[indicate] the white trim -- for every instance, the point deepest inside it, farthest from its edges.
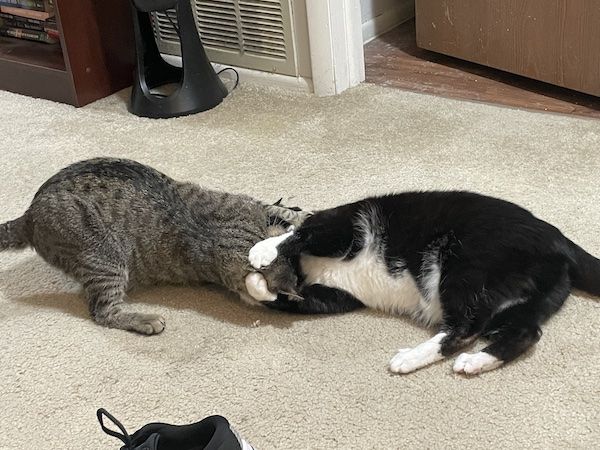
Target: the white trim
(297, 84)
(269, 79)
(356, 61)
(336, 52)
(387, 20)
(321, 51)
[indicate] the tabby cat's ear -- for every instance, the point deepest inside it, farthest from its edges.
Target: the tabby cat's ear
(292, 208)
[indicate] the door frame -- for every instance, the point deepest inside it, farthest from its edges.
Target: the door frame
(336, 45)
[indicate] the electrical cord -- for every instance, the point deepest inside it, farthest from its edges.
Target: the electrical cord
(175, 27)
(237, 75)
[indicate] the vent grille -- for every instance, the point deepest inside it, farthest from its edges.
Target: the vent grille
(255, 34)
(262, 27)
(217, 22)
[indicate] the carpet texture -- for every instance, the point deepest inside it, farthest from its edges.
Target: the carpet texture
(290, 382)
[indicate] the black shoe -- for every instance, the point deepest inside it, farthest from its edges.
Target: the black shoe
(212, 433)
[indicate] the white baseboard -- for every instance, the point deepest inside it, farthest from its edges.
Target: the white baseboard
(387, 20)
(297, 84)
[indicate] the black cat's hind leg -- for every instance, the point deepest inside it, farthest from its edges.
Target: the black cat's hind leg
(445, 343)
(459, 328)
(317, 299)
(516, 328)
(514, 331)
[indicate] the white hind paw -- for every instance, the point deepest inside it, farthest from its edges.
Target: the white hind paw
(475, 363)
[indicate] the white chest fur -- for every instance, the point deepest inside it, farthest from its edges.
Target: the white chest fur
(367, 278)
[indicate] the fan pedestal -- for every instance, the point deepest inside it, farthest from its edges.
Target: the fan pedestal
(198, 87)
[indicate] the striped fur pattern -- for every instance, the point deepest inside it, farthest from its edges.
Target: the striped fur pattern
(115, 224)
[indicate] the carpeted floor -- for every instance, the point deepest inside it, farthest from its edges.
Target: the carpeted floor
(296, 382)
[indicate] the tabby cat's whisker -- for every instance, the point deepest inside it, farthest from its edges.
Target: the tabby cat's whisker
(290, 294)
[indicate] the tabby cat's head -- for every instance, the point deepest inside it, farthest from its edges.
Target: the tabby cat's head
(281, 277)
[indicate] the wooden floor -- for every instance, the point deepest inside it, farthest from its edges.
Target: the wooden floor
(394, 60)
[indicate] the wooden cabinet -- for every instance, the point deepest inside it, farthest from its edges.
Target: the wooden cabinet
(557, 41)
(94, 59)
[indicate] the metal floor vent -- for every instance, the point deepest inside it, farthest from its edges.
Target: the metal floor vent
(256, 34)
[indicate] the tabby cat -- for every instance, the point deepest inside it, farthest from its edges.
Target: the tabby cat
(468, 264)
(114, 224)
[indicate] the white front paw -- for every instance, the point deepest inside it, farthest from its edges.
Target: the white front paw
(262, 254)
(257, 287)
(405, 361)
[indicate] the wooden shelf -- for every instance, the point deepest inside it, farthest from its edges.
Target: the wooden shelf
(37, 54)
(95, 56)
(35, 69)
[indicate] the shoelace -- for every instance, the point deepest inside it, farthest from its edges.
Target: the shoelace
(123, 437)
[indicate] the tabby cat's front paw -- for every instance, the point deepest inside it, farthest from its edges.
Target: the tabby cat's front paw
(141, 323)
(144, 323)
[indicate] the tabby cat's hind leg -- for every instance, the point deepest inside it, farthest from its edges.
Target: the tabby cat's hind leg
(105, 286)
(70, 234)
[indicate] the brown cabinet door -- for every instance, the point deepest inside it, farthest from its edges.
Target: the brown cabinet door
(557, 41)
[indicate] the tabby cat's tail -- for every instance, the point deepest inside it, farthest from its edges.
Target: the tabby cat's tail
(13, 235)
(585, 272)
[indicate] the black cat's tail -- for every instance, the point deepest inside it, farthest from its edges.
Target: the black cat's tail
(13, 234)
(585, 270)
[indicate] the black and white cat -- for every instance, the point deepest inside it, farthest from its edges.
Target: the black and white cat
(467, 264)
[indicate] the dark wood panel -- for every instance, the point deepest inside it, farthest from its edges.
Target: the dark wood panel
(97, 58)
(32, 53)
(99, 37)
(43, 82)
(395, 60)
(557, 41)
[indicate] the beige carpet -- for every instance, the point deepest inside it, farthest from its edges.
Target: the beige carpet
(296, 382)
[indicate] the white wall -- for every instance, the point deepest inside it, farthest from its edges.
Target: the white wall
(373, 8)
(379, 16)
